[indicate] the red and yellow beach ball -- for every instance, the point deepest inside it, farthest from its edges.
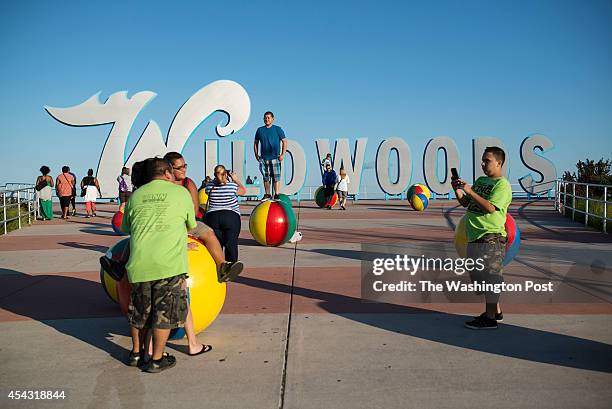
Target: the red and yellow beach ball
(116, 223)
(418, 195)
(320, 198)
(513, 237)
(272, 223)
(205, 294)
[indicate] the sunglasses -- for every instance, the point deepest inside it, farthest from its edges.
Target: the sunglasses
(180, 167)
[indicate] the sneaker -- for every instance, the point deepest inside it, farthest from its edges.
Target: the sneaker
(276, 197)
(114, 269)
(134, 359)
(266, 197)
(481, 322)
(228, 271)
(342, 207)
(499, 317)
(74, 212)
(156, 366)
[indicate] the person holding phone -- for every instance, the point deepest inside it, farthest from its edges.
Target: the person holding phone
(223, 212)
(487, 203)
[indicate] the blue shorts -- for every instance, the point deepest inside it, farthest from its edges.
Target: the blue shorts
(270, 169)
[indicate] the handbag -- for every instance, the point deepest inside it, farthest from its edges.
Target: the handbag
(41, 185)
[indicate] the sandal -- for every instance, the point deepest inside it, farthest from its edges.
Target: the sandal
(166, 362)
(228, 271)
(205, 349)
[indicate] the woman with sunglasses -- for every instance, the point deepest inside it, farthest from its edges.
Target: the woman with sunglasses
(223, 213)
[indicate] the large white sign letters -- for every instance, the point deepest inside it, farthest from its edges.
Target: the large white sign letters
(439, 156)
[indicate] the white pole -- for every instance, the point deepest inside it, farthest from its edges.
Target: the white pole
(586, 214)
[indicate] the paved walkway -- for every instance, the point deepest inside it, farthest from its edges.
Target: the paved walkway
(294, 332)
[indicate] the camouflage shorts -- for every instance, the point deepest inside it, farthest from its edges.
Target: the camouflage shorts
(491, 248)
(160, 304)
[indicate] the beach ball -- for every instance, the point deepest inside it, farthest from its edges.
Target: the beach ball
(320, 198)
(116, 223)
(418, 196)
(513, 235)
(116, 252)
(205, 294)
(284, 198)
(203, 199)
(272, 223)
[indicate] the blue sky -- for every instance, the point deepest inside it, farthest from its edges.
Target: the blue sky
(335, 69)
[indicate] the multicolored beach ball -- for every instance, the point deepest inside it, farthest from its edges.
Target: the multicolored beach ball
(320, 198)
(116, 252)
(513, 234)
(418, 195)
(284, 198)
(205, 294)
(272, 223)
(116, 223)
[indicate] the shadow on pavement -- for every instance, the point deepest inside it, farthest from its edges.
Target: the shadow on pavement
(509, 340)
(66, 304)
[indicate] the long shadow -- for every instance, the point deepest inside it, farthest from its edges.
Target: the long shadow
(99, 232)
(593, 236)
(405, 208)
(445, 328)
(67, 305)
(447, 216)
(243, 241)
(85, 246)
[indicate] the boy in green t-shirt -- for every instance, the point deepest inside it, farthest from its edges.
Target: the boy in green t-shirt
(487, 203)
(157, 217)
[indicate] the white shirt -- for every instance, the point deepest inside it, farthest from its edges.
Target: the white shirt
(343, 184)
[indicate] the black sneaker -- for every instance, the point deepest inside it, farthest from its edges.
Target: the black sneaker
(266, 197)
(228, 271)
(114, 269)
(135, 359)
(156, 366)
(481, 322)
(499, 316)
(276, 197)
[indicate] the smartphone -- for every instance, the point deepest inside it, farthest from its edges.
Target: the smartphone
(454, 173)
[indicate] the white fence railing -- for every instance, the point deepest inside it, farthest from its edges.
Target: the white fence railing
(567, 190)
(19, 196)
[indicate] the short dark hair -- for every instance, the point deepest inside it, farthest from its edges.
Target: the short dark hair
(172, 156)
(44, 169)
(90, 172)
(125, 170)
(269, 113)
(157, 167)
(139, 176)
(65, 169)
(497, 152)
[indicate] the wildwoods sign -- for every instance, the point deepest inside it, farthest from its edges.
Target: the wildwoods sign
(232, 99)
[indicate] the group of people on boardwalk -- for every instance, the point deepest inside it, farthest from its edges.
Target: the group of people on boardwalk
(65, 188)
(161, 207)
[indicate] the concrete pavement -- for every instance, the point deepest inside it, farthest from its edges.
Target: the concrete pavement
(294, 332)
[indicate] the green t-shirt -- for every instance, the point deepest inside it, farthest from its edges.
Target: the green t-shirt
(499, 193)
(157, 217)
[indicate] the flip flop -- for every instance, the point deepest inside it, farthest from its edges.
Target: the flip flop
(234, 270)
(205, 348)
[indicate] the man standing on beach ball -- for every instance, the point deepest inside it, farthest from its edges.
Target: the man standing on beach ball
(273, 148)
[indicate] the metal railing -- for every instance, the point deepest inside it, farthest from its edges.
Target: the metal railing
(562, 195)
(21, 196)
